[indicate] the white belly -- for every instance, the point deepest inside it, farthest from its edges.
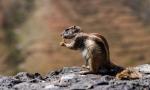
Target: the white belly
(84, 52)
(89, 45)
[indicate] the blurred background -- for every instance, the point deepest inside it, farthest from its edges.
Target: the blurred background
(30, 32)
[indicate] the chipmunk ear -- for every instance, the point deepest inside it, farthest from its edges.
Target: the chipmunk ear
(77, 28)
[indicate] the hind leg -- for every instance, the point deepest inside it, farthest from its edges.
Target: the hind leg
(86, 66)
(93, 68)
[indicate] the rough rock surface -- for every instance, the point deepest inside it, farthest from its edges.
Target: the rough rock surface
(69, 78)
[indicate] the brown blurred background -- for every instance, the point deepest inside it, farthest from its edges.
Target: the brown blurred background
(29, 32)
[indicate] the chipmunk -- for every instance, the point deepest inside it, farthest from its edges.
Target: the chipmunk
(94, 48)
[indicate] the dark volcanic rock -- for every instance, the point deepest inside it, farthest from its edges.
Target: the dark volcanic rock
(69, 78)
(27, 77)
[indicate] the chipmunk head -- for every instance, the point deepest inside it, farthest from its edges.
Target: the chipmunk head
(71, 32)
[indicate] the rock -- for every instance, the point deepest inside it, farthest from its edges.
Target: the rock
(27, 77)
(51, 86)
(8, 82)
(69, 78)
(143, 68)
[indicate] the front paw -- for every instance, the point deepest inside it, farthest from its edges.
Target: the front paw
(62, 44)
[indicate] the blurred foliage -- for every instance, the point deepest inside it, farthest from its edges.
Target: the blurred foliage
(17, 13)
(14, 15)
(140, 8)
